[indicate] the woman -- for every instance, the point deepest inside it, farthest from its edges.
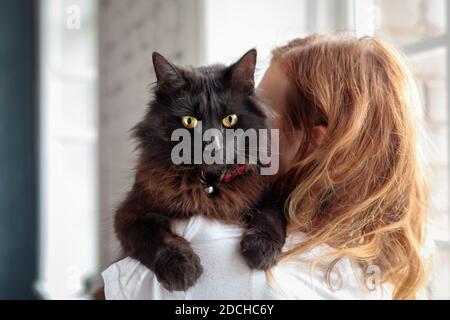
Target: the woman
(349, 178)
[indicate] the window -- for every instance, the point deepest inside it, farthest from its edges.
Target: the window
(68, 148)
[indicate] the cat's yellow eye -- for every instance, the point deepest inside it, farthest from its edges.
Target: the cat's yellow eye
(230, 120)
(189, 122)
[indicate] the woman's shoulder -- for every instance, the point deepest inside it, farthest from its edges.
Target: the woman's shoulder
(296, 278)
(226, 275)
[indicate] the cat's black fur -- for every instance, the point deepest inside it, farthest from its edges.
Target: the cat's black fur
(163, 191)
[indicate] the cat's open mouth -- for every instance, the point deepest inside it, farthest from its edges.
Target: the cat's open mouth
(222, 175)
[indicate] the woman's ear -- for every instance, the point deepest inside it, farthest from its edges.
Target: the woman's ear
(317, 135)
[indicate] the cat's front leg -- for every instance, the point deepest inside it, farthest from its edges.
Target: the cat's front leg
(264, 238)
(176, 266)
(148, 238)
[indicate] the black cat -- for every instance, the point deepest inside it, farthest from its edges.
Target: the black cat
(220, 97)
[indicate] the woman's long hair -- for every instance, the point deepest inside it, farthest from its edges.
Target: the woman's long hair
(361, 190)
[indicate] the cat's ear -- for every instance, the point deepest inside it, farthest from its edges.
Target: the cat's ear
(242, 72)
(164, 70)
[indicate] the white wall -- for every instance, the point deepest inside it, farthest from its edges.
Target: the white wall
(233, 27)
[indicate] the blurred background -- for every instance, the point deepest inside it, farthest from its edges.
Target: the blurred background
(74, 78)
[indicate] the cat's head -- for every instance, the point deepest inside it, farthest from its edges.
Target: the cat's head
(217, 97)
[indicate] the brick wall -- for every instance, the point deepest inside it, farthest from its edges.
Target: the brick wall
(129, 31)
(406, 22)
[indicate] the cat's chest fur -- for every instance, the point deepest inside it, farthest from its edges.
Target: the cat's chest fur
(181, 194)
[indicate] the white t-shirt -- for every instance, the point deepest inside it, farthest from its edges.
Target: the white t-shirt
(227, 276)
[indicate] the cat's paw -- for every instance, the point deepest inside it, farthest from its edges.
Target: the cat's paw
(259, 249)
(177, 266)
